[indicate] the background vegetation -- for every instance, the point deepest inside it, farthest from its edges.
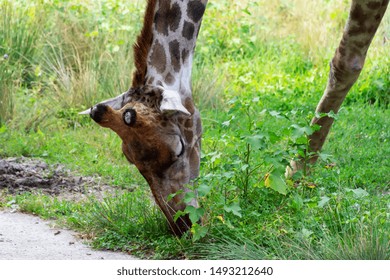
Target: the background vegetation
(259, 71)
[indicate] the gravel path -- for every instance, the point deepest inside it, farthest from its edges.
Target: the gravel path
(26, 237)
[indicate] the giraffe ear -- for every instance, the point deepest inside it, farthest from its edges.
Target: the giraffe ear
(115, 103)
(171, 102)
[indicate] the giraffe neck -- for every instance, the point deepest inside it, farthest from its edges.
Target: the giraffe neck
(165, 48)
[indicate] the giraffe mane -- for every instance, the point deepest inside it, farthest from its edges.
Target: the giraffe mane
(143, 44)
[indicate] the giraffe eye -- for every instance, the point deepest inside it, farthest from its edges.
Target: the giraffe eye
(129, 117)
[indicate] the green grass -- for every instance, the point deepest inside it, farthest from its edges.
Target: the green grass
(259, 71)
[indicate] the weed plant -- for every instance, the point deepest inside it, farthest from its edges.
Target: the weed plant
(259, 70)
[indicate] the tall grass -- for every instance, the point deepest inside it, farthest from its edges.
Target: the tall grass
(7, 87)
(362, 243)
(20, 28)
(309, 23)
(128, 214)
(86, 65)
(64, 55)
(130, 221)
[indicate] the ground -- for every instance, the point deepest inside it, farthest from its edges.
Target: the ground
(27, 237)
(24, 236)
(18, 175)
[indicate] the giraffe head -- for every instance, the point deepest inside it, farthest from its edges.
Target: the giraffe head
(161, 137)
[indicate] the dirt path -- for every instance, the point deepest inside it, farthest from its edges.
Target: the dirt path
(19, 175)
(26, 237)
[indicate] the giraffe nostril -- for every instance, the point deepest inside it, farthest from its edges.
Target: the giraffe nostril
(98, 112)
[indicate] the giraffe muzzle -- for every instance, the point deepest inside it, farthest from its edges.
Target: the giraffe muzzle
(97, 112)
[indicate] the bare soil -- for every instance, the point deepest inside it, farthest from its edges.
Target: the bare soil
(20, 175)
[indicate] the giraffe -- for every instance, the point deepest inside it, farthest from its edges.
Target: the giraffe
(156, 118)
(345, 67)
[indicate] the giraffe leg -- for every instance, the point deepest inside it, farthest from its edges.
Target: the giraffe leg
(345, 67)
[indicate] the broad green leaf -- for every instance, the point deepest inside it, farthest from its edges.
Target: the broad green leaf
(359, 193)
(324, 200)
(188, 197)
(302, 140)
(324, 157)
(257, 141)
(198, 231)
(297, 202)
(276, 182)
(299, 131)
(233, 208)
(194, 213)
(333, 115)
(178, 214)
(273, 137)
(172, 195)
(203, 190)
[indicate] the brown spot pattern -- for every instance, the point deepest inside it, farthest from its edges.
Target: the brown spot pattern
(170, 79)
(357, 17)
(150, 80)
(158, 57)
(188, 30)
(147, 95)
(167, 17)
(195, 10)
(357, 14)
(189, 104)
(174, 51)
